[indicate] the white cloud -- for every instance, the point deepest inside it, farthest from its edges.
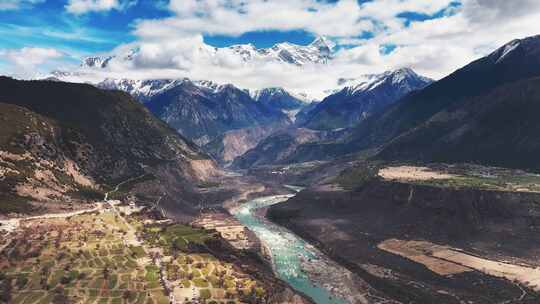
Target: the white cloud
(17, 4)
(25, 60)
(439, 46)
(79, 7)
(173, 47)
(233, 17)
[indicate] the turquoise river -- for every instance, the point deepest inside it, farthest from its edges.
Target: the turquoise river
(290, 253)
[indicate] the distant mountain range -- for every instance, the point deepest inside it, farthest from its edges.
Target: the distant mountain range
(394, 115)
(355, 102)
(317, 52)
(218, 117)
(485, 112)
(224, 119)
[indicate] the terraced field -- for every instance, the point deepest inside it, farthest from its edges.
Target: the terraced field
(195, 275)
(82, 259)
(204, 276)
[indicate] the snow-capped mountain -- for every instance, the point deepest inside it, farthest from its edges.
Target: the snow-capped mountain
(96, 61)
(528, 46)
(359, 98)
(319, 52)
(280, 99)
(405, 79)
(103, 61)
(200, 110)
(144, 90)
(222, 118)
(204, 114)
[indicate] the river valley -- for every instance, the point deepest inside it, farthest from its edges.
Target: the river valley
(297, 262)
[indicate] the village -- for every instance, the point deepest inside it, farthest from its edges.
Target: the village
(119, 253)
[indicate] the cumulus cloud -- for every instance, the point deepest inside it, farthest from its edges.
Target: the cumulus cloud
(17, 4)
(79, 7)
(439, 46)
(173, 47)
(233, 17)
(25, 60)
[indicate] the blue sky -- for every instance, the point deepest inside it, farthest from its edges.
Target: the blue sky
(261, 39)
(49, 24)
(434, 37)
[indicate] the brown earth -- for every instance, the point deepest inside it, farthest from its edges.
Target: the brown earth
(350, 224)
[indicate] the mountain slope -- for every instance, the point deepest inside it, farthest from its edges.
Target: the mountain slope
(354, 103)
(144, 90)
(322, 124)
(203, 114)
(519, 59)
(61, 140)
(225, 120)
(484, 112)
(305, 113)
(282, 100)
(499, 128)
(284, 147)
(278, 98)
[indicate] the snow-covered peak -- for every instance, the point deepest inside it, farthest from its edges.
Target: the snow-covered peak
(210, 85)
(277, 92)
(104, 60)
(143, 90)
(280, 99)
(323, 43)
(258, 94)
(526, 49)
(317, 52)
(405, 75)
(404, 78)
(96, 61)
(140, 89)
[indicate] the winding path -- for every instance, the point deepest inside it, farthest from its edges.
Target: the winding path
(132, 239)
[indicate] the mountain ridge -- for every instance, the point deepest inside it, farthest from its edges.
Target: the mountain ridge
(62, 139)
(363, 97)
(319, 51)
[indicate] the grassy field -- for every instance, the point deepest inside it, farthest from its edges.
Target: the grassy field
(175, 237)
(459, 176)
(487, 178)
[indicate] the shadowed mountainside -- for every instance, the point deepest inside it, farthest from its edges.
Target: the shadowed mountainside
(62, 140)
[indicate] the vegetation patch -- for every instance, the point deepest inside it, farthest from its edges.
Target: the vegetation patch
(10, 203)
(356, 177)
